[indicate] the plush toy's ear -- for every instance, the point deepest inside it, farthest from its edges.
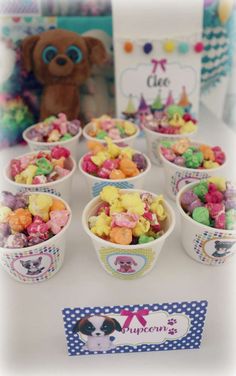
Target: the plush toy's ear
(97, 52)
(76, 326)
(28, 45)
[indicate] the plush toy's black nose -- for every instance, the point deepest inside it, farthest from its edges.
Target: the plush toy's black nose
(98, 334)
(61, 61)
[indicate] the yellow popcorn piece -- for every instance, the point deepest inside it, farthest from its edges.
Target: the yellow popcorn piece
(210, 164)
(219, 182)
(102, 226)
(177, 121)
(4, 213)
(112, 148)
(100, 158)
(127, 152)
(129, 128)
(158, 208)
(40, 205)
(116, 207)
(188, 127)
(26, 176)
(109, 194)
(133, 203)
(142, 227)
(54, 136)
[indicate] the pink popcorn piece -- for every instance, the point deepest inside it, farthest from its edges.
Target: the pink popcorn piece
(111, 164)
(39, 179)
(168, 154)
(57, 152)
(15, 167)
(38, 227)
(58, 219)
(103, 173)
(214, 197)
(88, 165)
(215, 209)
(114, 134)
(128, 220)
(107, 124)
(103, 208)
(220, 221)
(61, 171)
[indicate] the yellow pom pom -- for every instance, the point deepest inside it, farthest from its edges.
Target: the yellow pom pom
(169, 46)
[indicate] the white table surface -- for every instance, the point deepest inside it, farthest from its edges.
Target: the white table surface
(31, 326)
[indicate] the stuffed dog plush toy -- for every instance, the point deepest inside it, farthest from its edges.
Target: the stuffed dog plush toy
(61, 61)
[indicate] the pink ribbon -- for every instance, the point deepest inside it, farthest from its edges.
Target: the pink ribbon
(130, 315)
(162, 63)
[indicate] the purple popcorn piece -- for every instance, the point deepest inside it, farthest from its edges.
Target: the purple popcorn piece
(195, 204)
(34, 239)
(140, 161)
(187, 198)
(22, 200)
(8, 199)
(5, 229)
(18, 240)
(35, 135)
(179, 161)
(230, 204)
(73, 127)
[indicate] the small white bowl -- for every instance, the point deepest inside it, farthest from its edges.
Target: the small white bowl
(177, 176)
(122, 142)
(49, 254)
(142, 257)
(60, 187)
(201, 242)
(71, 144)
(154, 139)
(96, 184)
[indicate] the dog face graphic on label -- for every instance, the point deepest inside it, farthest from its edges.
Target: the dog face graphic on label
(98, 329)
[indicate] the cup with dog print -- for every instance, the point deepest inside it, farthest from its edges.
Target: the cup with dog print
(178, 176)
(205, 244)
(60, 187)
(96, 184)
(39, 262)
(127, 261)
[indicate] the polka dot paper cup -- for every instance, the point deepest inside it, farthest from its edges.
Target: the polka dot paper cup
(71, 144)
(96, 184)
(205, 244)
(36, 263)
(140, 258)
(177, 177)
(153, 140)
(121, 142)
(61, 187)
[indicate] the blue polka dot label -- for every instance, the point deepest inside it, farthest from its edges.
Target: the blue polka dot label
(134, 328)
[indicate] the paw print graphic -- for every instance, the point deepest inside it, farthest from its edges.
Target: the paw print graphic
(172, 321)
(172, 331)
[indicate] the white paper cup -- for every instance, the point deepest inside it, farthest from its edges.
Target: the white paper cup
(122, 142)
(207, 245)
(96, 184)
(142, 257)
(71, 144)
(60, 187)
(48, 256)
(153, 140)
(177, 177)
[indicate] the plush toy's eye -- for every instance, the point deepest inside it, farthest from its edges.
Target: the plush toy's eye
(74, 53)
(49, 53)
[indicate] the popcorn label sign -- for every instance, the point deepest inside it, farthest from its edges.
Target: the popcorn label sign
(134, 328)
